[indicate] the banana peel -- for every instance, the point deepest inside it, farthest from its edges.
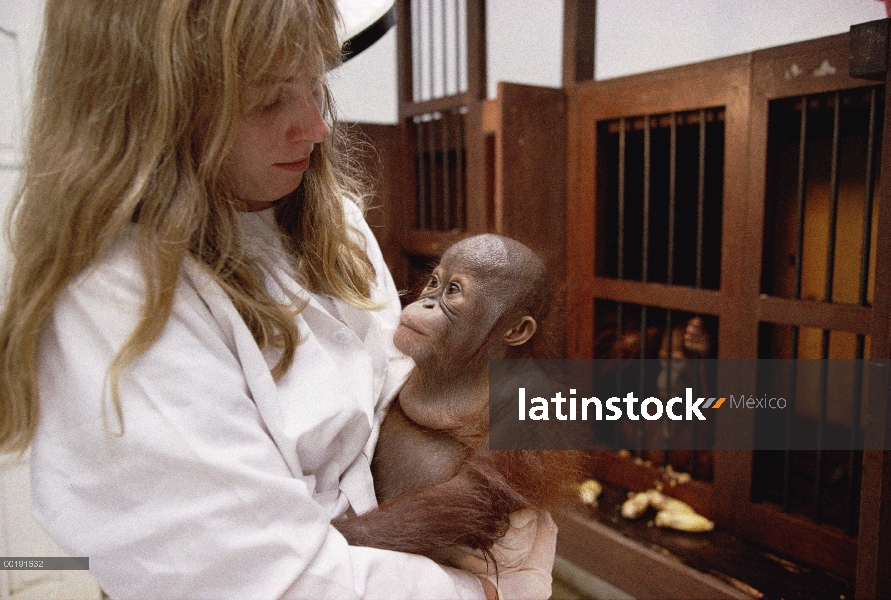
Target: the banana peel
(683, 521)
(672, 513)
(589, 492)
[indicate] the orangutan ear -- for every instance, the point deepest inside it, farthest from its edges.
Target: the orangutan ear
(522, 332)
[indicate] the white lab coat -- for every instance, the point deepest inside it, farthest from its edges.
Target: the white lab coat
(224, 482)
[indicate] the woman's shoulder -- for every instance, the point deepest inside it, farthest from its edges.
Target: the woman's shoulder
(114, 285)
(113, 278)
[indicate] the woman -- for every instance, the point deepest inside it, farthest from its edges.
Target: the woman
(196, 341)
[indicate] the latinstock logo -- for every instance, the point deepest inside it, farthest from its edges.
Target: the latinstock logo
(673, 405)
(651, 408)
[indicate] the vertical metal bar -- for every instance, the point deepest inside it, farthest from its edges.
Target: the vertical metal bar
(445, 50)
(420, 186)
(851, 522)
(669, 326)
(669, 365)
(700, 224)
(852, 491)
(621, 241)
(431, 148)
(672, 184)
(446, 170)
(461, 197)
(821, 425)
(458, 86)
(431, 46)
(645, 245)
(868, 200)
(415, 50)
(833, 203)
(799, 247)
(828, 290)
(620, 251)
(700, 208)
(802, 185)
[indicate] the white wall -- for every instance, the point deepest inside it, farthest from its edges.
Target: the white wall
(20, 23)
(633, 36)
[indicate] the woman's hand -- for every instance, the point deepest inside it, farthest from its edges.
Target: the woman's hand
(525, 557)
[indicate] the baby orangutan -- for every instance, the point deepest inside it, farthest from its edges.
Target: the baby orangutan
(437, 483)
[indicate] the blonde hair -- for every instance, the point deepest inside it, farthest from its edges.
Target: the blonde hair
(134, 110)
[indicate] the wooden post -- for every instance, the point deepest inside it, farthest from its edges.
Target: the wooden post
(474, 139)
(874, 541)
(579, 28)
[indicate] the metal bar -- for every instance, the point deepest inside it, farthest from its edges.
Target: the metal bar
(821, 425)
(432, 49)
(672, 184)
(645, 249)
(461, 183)
(799, 248)
(830, 279)
(458, 86)
(415, 51)
(669, 335)
(868, 200)
(640, 385)
(620, 249)
(700, 224)
(445, 50)
(420, 187)
(700, 209)
(852, 493)
(833, 203)
(802, 185)
(431, 148)
(446, 170)
(645, 246)
(669, 326)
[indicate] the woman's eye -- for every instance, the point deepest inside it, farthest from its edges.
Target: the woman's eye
(271, 104)
(318, 92)
(272, 100)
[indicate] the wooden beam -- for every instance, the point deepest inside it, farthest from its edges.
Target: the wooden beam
(404, 61)
(874, 542)
(476, 49)
(628, 565)
(579, 34)
(412, 109)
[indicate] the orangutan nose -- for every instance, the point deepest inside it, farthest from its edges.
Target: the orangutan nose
(427, 302)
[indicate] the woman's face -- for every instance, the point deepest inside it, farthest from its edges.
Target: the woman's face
(274, 140)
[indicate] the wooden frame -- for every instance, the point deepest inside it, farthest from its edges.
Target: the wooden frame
(505, 140)
(744, 85)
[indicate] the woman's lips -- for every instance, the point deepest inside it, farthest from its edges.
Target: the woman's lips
(300, 165)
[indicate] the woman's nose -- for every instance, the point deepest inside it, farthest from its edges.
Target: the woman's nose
(308, 123)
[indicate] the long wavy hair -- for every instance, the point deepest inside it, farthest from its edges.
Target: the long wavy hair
(133, 116)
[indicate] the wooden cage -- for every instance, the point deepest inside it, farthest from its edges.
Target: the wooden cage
(745, 191)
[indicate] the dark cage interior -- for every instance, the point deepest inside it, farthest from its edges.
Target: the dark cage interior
(661, 180)
(819, 245)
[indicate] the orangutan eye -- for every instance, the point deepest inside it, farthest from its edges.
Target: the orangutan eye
(453, 288)
(433, 283)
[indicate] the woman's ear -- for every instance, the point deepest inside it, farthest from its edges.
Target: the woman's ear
(522, 332)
